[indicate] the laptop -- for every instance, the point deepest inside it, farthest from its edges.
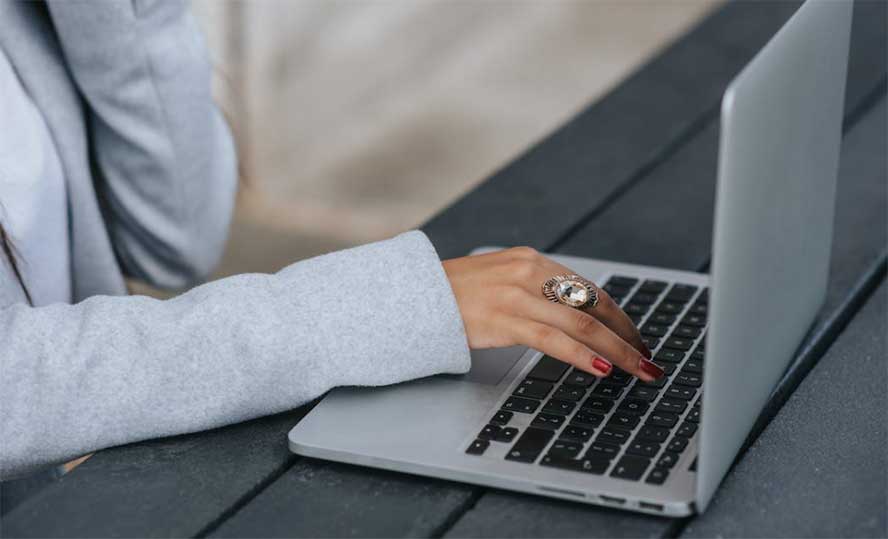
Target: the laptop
(526, 422)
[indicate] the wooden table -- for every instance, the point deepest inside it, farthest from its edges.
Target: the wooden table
(642, 162)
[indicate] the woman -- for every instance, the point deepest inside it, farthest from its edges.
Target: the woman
(114, 161)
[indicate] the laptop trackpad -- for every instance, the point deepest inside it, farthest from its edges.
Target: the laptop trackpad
(491, 365)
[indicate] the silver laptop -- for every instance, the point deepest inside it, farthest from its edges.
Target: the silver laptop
(526, 422)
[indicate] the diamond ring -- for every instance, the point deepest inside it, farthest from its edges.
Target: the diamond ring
(571, 290)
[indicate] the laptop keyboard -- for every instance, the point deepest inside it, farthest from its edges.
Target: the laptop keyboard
(618, 425)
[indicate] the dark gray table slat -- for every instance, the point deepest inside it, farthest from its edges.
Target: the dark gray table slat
(602, 151)
(194, 479)
(858, 247)
(818, 470)
(391, 505)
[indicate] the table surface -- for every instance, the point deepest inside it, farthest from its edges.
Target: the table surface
(642, 161)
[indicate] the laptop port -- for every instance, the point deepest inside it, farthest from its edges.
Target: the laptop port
(563, 491)
(651, 506)
(613, 499)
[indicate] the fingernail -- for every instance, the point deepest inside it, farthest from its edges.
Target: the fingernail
(650, 368)
(602, 365)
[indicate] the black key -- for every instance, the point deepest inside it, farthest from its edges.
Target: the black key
(669, 307)
(643, 449)
(529, 445)
(643, 298)
(478, 447)
(678, 343)
(565, 448)
(517, 404)
(701, 309)
(587, 419)
(704, 296)
(681, 292)
(576, 433)
(681, 392)
(548, 421)
(548, 369)
(619, 379)
(621, 280)
(694, 366)
(643, 392)
(608, 391)
(653, 287)
(694, 320)
(668, 368)
(613, 436)
(657, 476)
(634, 406)
(618, 376)
(652, 434)
(686, 430)
(623, 420)
(618, 299)
(662, 419)
(533, 389)
(502, 418)
(699, 354)
(654, 330)
(662, 319)
(636, 318)
(630, 467)
(687, 332)
(669, 356)
(615, 289)
(650, 342)
(667, 460)
(556, 406)
(598, 404)
(658, 383)
(694, 415)
(506, 434)
(583, 465)
(602, 450)
(677, 444)
(569, 393)
(489, 432)
(688, 379)
(579, 379)
(674, 406)
(693, 467)
(636, 309)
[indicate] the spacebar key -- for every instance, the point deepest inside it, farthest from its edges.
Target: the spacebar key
(530, 445)
(548, 369)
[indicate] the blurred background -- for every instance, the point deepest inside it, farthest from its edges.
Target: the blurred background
(360, 119)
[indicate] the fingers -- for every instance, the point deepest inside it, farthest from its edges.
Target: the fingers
(556, 343)
(592, 333)
(607, 312)
(611, 315)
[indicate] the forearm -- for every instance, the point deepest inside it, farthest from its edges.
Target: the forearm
(109, 371)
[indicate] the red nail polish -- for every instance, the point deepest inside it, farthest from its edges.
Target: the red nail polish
(602, 365)
(650, 368)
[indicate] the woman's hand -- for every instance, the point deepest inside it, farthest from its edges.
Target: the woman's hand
(501, 301)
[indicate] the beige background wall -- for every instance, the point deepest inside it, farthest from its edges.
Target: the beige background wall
(358, 120)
